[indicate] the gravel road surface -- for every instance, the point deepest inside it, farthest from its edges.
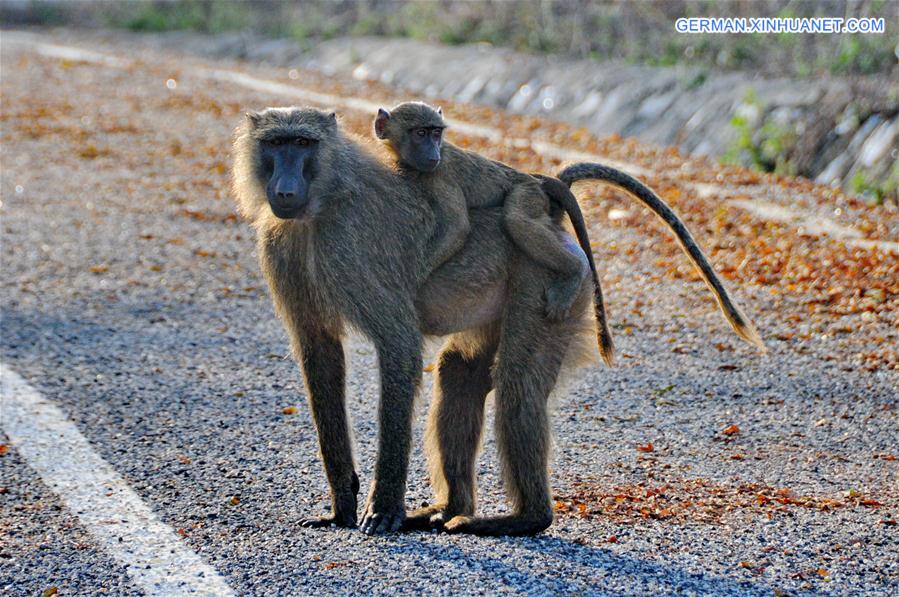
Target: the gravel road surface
(131, 300)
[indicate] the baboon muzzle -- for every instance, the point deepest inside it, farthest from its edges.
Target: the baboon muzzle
(288, 196)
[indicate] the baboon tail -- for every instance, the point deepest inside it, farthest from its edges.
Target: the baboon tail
(735, 317)
(568, 202)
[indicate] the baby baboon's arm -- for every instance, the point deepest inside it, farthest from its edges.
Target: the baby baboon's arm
(453, 215)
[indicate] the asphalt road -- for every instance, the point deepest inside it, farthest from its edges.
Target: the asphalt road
(131, 301)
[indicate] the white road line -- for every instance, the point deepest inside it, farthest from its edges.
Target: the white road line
(811, 224)
(156, 559)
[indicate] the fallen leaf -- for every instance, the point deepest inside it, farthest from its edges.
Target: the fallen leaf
(193, 214)
(99, 269)
(234, 500)
(732, 430)
(289, 410)
(89, 152)
(612, 539)
(49, 592)
(428, 368)
(647, 448)
(3, 449)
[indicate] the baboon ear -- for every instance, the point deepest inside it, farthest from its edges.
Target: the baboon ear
(440, 110)
(254, 118)
(381, 123)
(333, 116)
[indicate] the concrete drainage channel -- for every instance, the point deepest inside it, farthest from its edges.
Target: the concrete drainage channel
(842, 127)
(811, 224)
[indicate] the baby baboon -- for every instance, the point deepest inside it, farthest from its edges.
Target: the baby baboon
(342, 241)
(460, 179)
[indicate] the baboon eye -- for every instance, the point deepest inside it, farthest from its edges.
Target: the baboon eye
(437, 133)
(302, 142)
(275, 141)
(421, 132)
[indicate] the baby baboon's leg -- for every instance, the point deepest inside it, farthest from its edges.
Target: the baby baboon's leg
(530, 226)
(455, 423)
(528, 362)
(321, 357)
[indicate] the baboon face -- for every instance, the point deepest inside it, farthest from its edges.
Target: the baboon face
(288, 144)
(414, 132)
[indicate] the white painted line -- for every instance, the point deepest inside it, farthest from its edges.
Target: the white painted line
(812, 224)
(157, 560)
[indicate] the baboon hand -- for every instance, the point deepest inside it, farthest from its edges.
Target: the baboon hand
(381, 517)
(343, 511)
(346, 520)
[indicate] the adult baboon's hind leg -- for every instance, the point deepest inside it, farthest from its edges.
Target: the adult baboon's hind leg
(455, 425)
(529, 358)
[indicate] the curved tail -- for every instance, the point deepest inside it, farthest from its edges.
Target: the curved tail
(561, 194)
(735, 317)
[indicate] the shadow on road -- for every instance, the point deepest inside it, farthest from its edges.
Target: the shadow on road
(602, 570)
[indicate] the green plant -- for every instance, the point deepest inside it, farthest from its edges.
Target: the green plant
(863, 185)
(862, 54)
(766, 147)
(207, 15)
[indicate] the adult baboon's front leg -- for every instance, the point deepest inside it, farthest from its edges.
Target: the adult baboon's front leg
(399, 358)
(322, 360)
(455, 424)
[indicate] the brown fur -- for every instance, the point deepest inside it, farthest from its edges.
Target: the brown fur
(361, 262)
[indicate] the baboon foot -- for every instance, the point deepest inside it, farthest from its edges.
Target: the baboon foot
(377, 521)
(560, 297)
(347, 520)
(515, 524)
(425, 519)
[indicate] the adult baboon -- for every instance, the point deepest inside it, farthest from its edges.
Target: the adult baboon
(342, 243)
(458, 180)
